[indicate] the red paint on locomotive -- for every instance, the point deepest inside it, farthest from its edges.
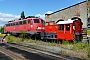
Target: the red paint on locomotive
(29, 25)
(69, 29)
(51, 28)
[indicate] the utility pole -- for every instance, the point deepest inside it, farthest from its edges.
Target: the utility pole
(88, 20)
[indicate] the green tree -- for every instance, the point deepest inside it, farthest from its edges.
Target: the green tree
(22, 15)
(2, 30)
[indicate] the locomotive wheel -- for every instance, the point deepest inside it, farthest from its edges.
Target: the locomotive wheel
(44, 40)
(61, 41)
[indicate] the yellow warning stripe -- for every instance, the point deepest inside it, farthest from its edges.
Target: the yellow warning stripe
(3, 34)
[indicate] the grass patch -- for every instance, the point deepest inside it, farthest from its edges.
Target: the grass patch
(13, 39)
(78, 47)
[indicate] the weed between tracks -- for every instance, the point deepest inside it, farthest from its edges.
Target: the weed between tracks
(80, 49)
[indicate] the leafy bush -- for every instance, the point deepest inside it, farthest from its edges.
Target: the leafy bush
(65, 42)
(88, 50)
(13, 39)
(22, 35)
(80, 45)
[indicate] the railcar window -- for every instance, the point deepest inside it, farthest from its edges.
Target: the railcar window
(61, 27)
(16, 23)
(36, 21)
(28, 21)
(24, 22)
(67, 27)
(20, 22)
(13, 23)
(8, 24)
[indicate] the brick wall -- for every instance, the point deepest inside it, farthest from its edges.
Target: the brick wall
(77, 10)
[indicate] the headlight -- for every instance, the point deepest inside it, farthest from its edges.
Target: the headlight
(43, 28)
(40, 28)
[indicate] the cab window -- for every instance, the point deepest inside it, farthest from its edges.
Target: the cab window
(36, 21)
(61, 27)
(67, 27)
(28, 21)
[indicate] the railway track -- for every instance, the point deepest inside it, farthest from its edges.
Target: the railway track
(11, 54)
(4, 56)
(35, 51)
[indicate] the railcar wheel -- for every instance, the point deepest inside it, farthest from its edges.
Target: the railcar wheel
(61, 41)
(44, 40)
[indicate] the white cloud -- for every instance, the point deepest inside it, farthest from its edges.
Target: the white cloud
(4, 17)
(49, 12)
(7, 17)
(43, 15)
(40, 15)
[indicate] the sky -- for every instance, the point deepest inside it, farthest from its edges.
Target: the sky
(11, 9)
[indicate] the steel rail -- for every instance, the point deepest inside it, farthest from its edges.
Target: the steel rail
(37, 51)
(13, 55)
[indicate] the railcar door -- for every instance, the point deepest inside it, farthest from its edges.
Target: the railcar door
(37, 23)
(24, 25)
(68, 32)
(61, 31)
(28, 25)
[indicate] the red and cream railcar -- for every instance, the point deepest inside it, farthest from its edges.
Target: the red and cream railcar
(64, 30)
(70, 30)
(31, 25)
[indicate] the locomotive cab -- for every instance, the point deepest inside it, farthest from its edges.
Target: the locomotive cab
(65, 30)
(36, 25)
(50, 31)
(70, 30)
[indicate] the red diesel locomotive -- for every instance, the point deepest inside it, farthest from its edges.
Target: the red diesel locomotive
(64, 30)
(31, 26)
